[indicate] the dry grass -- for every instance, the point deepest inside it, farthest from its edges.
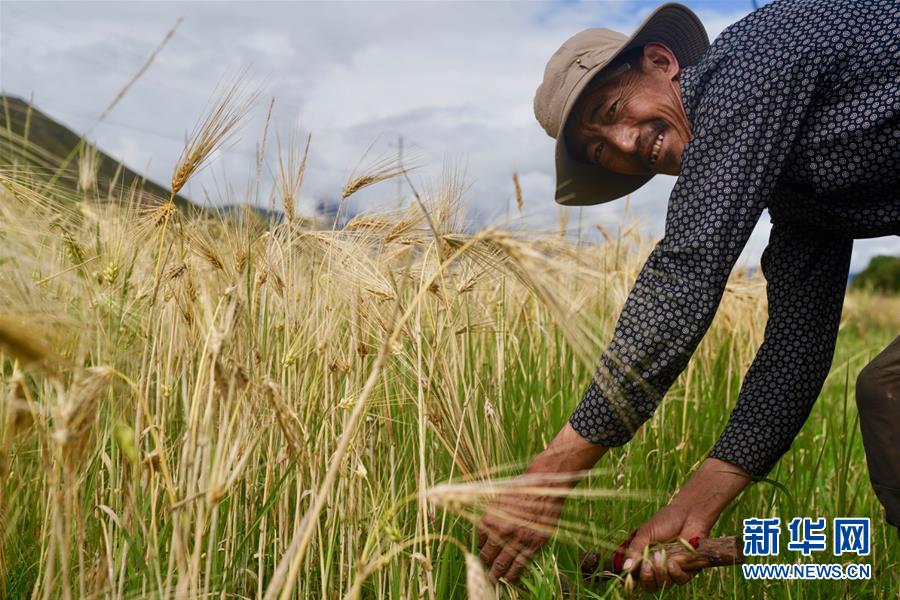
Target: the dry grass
(237, 408)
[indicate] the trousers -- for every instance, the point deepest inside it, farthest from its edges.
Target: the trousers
(878, 402)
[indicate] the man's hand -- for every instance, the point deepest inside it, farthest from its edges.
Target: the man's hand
(669, 524)
(519, 521)
(515, 525)
(689, 516)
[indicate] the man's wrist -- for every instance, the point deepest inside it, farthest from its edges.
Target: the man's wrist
(569, 455)
(711, 489)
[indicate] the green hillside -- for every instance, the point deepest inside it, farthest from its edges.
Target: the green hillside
(31, 140)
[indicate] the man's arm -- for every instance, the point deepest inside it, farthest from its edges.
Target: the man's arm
(806, 274)
(730, 171)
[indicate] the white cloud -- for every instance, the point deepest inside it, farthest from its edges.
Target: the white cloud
(455, 80)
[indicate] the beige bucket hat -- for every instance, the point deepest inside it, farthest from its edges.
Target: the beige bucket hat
(577, 62)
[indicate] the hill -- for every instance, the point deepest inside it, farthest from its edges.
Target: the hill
(29, 137)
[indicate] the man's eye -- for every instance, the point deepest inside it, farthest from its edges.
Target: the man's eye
(612, 109)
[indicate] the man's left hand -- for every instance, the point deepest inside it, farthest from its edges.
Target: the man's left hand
(659, 571)
(691, 514)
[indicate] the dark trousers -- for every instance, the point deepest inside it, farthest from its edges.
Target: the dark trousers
(878, 401)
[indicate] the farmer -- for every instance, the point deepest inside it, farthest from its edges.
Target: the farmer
(794, 109)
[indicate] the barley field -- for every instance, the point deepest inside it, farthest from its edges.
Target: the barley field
(218, 405)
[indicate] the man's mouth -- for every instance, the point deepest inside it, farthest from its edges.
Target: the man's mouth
(656, 149)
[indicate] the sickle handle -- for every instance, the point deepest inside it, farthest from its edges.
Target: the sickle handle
(707, 552)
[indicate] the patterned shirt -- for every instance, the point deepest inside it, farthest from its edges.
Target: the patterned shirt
(794, 109)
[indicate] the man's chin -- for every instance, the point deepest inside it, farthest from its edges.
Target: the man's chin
(667, 169)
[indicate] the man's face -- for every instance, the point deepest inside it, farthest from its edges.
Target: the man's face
(635, 123)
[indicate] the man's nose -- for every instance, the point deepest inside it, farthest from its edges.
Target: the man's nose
(623, 139)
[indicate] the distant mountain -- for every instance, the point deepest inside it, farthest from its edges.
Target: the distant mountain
(30, 137)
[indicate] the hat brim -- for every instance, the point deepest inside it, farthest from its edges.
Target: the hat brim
(582, 184)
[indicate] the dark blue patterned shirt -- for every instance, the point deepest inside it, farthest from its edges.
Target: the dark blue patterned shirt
(794, 109)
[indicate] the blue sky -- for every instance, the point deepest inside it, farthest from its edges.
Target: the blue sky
(455, 80)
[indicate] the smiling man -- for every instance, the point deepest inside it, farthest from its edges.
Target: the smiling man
(629, 123)
(795, 109)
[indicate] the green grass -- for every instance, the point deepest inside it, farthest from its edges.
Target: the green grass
(823, 475)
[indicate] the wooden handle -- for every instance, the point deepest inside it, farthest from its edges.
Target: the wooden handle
(709, 552)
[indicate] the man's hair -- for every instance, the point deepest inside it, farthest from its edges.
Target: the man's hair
(631, 57)
(630, 60)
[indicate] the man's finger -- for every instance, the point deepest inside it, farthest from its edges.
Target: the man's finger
(648, 579)
(491, 549)
(504, 561)
(519, 563)
(660, 570)
(487, 528)
(677, 574)
(635, 549)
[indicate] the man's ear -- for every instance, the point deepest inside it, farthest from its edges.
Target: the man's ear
(658, 58)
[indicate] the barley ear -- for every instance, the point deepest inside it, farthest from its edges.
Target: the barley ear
(478, 584)
(27, 344)
(220, 124)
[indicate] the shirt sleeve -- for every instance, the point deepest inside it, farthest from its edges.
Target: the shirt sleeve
(806, 274)
(729, 170)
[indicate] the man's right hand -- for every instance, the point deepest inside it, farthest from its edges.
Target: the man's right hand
(516, 524)
(522, 518)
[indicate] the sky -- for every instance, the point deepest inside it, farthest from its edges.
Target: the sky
(454, 80)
